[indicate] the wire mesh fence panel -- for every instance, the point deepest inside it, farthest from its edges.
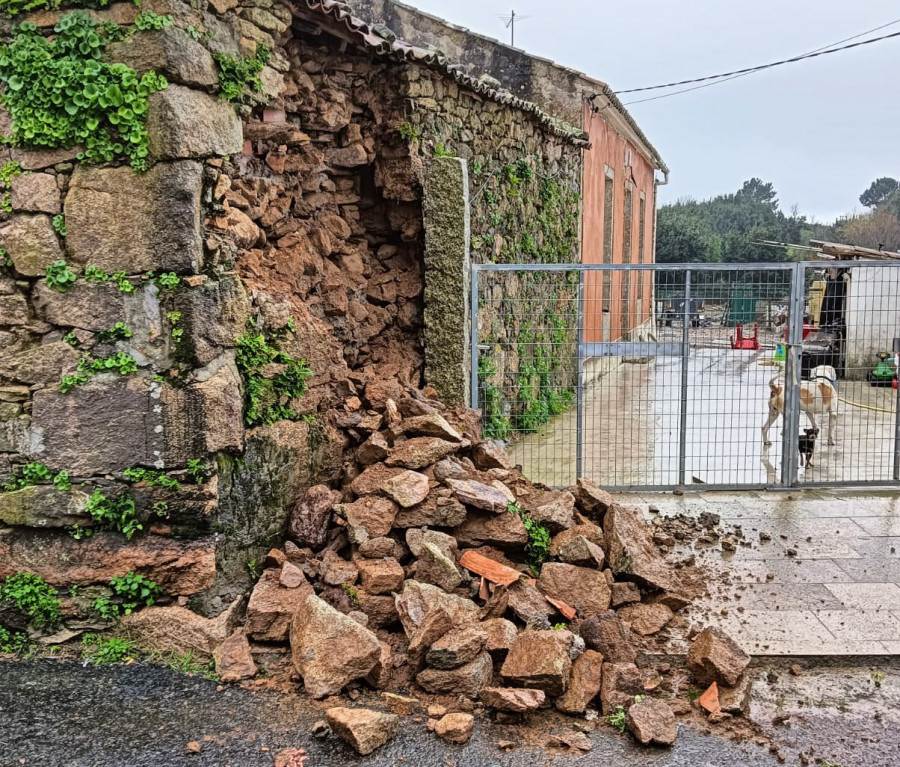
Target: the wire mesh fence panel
(849, 371)
(528, 326)
(637, 376)
(733, 336)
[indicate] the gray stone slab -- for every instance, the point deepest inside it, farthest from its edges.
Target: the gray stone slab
(870, 570)
(785, 596)
(818, 649)
(876, 547)
(769, 625)
(806, 571)
(880, 526)
(865, 596)
(853, 625)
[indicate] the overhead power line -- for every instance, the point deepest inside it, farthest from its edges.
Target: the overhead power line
(726, 79)
(749, 70)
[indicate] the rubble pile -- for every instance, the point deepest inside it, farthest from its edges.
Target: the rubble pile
(437, 569)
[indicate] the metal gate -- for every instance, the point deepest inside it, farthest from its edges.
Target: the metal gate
(664, 376)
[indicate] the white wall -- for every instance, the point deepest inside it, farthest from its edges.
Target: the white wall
(872, 315)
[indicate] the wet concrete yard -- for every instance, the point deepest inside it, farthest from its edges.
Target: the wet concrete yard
(632, 417)
(816, 573)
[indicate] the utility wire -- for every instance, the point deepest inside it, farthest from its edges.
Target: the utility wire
(726, 79)
(750, 70)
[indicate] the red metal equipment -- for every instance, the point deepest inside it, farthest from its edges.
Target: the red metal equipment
(807, 329)
(740, 342)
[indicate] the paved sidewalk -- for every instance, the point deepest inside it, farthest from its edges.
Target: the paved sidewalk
(820, 576)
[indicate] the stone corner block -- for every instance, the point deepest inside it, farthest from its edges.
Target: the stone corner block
(35, 193)
(120, 220)
(446, 213)
(184, 123)
(31, 244)
(170, 52)
(98, 428)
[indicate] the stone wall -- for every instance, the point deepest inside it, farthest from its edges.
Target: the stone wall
(524, 191)
(260, 284)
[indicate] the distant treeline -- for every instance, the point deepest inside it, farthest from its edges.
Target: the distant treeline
(729, 228)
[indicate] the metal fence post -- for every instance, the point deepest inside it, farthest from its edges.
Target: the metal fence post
(896, 418)
(579, 388)
(685, 359)
(473, 356)
(791, 414)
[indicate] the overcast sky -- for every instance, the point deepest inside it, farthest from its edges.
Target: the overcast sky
(820, 130)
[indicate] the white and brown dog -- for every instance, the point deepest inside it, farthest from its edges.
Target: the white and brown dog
(818, 396)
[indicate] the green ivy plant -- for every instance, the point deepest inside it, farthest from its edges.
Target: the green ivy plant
(151, 477)
(59, 225)
(59, 276)
(195, 33)
(267, 400)
(352, 593)
(114, 514)
(616, 719)
(236, 74)
(409, 132)
(71, 339)
(15, 7)
(168, 280)
(104, 651)
(31, 595)
(14, 642)
(135, 590)
(123, 283)
(98, 276)
(118, 332)
(7, 173)
(62, 481)
(123, 364)
(61, 94)
(496, 424)
(177, 333)
(196, 470)
(147, 20)
(537, 550)
(95, 275)
(132, 590)
(36, 473)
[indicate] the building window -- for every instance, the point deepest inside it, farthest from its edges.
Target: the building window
(642, 218)
(627, 252)
(642, 230)
(609, 192)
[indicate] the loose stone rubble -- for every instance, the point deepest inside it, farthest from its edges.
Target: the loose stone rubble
(415, 580)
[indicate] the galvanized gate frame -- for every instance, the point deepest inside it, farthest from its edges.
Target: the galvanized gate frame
(791, 415)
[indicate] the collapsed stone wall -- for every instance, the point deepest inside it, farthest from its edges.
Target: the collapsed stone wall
(174, 343)
(524, 191)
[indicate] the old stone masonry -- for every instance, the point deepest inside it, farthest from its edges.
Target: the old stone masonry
(235, 244)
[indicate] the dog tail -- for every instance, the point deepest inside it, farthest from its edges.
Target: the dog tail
(776, 385)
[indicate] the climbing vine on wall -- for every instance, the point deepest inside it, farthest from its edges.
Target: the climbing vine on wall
(61, 94)
(15, 7)
(272, 378)
(524, 211)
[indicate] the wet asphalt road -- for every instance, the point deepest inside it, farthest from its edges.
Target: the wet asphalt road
(59, 714)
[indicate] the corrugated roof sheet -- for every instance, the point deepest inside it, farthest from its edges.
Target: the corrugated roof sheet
(383, 42)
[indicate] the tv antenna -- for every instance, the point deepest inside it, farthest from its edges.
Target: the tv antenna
(511, 25)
